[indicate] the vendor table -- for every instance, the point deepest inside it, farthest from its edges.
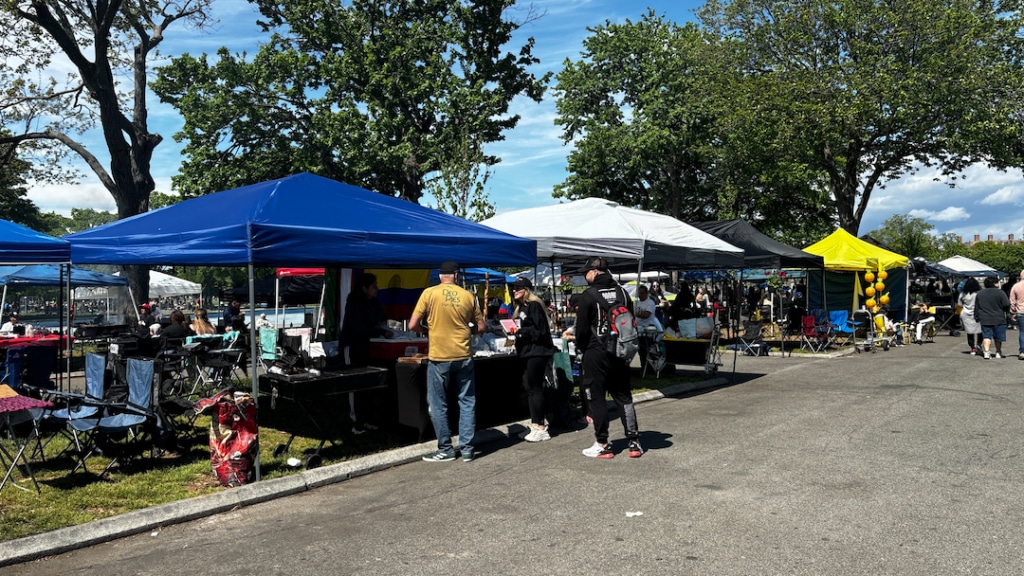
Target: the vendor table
(309, 393)
(947, 318)
(15, 410)
(389, 349)
(51, 340)
(500, 397)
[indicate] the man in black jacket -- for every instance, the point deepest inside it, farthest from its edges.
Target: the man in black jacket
(603, 372)
(990, 308)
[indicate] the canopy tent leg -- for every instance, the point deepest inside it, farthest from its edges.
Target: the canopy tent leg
(254, 360)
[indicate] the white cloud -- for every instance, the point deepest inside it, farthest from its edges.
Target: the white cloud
(1013, 195)
(950, 214)
(61, 198)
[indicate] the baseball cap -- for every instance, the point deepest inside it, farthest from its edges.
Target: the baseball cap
(593, 263)
(522, 283)
(449, 267)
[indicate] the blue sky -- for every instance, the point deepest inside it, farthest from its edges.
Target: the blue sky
(533, 156)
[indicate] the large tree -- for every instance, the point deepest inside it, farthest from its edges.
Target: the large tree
(381, 94)
(47, 108)
(647, 108)
(865, 91)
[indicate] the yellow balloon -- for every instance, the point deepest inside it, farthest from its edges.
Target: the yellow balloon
(884, 299)
(879, 286)
(882, 274)
(870, 303)
(869, 277)
(869, 291)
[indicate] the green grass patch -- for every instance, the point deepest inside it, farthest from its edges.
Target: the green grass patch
(69, 498)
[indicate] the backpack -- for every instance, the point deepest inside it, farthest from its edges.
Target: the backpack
(618, 326)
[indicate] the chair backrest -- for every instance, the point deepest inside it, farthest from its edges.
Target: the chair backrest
(140, 383)
(13, 367)
(95, 366)
(839, 320)
(39, 366)
(751, 330)
(268, 343)
(807, 323)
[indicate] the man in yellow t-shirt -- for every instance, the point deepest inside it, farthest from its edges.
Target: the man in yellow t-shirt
(452, 315)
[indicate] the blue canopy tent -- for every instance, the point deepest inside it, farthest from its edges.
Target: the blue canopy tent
(21, 245)
(477, 276)
(52, 275)
(300, 220)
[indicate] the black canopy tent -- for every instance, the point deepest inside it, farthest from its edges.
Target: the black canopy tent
(760, 250)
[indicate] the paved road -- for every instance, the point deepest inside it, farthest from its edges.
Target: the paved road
(900, 462)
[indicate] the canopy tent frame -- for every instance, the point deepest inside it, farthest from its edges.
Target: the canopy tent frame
(299, 220)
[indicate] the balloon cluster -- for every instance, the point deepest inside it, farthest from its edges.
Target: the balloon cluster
(875, 288)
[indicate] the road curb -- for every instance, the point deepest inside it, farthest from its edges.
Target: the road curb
(148, 519)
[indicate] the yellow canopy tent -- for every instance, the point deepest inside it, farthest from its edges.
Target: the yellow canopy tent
(845, 252)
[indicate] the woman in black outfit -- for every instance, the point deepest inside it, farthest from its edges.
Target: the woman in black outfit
(534, 345)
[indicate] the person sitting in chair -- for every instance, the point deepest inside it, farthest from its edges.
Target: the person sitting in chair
(9, 326)
(645, 312)
(924, 318)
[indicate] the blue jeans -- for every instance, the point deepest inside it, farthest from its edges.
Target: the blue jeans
(445, 377)
(1020, 333)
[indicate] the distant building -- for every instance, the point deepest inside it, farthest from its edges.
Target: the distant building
(991, 238)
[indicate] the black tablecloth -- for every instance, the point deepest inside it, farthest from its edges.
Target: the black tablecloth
(500, 397)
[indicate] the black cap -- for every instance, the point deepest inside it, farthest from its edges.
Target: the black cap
(449, 267)
(522, 282)
(593, 263)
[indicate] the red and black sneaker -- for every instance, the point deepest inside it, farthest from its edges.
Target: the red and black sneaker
(635, 451)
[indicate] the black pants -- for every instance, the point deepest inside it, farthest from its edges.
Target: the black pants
(533, 381)
(605, 374)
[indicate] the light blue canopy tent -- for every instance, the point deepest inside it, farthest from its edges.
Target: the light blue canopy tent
(300, 220)
(50, 275)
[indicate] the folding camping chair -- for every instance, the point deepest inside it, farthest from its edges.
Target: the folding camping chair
(18, 425)
(270, 352)
(751, 342)
(813, 337)
(74, 406)
(133, 419)
(842, 328)
(653, 349)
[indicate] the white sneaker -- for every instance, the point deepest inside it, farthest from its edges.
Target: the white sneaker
(598, 451)
(537, 435)
(987, 356)
(998, 355)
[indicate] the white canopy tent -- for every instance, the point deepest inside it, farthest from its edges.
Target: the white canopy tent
(968, 267)
(160, 286)
(596, 227)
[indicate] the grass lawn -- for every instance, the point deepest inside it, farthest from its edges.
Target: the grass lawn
(68, 499)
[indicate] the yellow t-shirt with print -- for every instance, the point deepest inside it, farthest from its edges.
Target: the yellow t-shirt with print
(448, 309)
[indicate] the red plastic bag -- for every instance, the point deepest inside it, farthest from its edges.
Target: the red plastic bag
(234, 436)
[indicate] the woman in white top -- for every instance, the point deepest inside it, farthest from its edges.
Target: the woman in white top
(966, 301)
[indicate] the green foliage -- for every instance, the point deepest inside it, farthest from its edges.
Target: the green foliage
(376, 94)
(1008, 258)
(862, 92)
(908, 236)
(15, 206)
(81, 219)
(649, 109)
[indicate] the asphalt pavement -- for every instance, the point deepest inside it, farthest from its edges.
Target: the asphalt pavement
(897, 462)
